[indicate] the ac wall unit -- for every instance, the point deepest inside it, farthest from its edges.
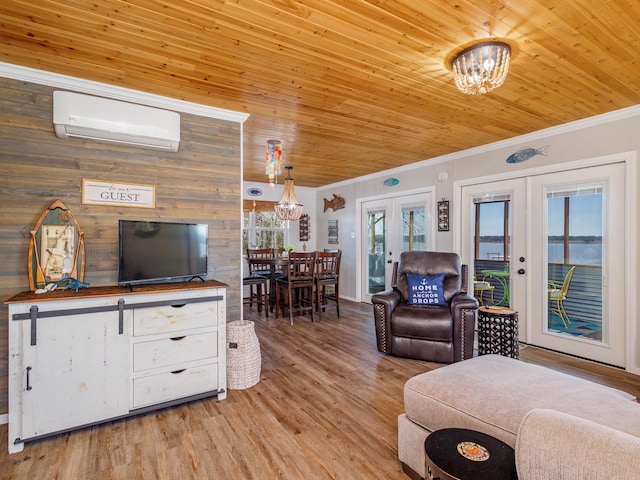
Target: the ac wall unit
(113, 121)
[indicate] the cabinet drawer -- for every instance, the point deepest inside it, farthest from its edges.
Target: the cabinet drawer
(171, 318)
(170, 351)
(173, 385)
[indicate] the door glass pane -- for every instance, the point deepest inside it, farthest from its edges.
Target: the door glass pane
(376, 246)
(413, 229)
(574, 246)
(492, 244)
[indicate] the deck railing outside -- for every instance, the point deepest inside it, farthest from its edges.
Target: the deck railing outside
(584, 299)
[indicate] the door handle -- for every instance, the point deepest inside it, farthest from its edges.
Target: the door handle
(521, 271)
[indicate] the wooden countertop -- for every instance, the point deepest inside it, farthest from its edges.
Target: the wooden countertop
(107, 291)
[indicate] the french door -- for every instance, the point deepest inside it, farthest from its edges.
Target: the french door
(578, 234)
(526, 236)
(391, 226)
(495, 241)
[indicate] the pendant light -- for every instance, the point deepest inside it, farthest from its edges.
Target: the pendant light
(288, 207)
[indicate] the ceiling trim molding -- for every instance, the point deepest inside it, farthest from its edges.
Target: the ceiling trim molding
(596, 120)
(57, 80)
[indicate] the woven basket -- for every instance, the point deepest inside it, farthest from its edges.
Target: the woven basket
(243, 355)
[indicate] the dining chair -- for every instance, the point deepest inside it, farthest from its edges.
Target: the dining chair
(258, 277)
(297, 285)
(557, 293)
(328, 275)
(480, 287)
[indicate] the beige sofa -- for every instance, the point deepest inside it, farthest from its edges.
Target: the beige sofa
(562, 427)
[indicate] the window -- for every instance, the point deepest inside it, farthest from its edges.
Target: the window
(262, 229)
(575, 225)
(492, 228)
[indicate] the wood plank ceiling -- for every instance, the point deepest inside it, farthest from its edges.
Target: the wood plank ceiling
(351, 87)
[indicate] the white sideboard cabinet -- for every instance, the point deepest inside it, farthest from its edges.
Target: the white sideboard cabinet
(86, 357)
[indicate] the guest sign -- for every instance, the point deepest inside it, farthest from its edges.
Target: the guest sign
(95, 192)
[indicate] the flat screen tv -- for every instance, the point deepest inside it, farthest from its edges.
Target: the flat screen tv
(156, 252)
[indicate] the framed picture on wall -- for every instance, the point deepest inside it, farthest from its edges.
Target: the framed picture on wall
(333, 232)
(443, 216)
(304, 228)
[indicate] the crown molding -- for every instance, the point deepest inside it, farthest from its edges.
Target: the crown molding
(57, 80)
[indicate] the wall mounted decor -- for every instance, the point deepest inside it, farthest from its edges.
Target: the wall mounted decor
(333, 232)
(336, 203)
(391, 182)
(304, 228)
(526, 153)
(95, 192)
(443, 216)
(56, 247)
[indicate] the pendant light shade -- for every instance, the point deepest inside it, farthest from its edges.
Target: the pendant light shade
(288, 207)
(273, 160)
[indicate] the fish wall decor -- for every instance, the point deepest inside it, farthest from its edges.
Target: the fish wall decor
(526, 153)
(336, 203)
(391, 182)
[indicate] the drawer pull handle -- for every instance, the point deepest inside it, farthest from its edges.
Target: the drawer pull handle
(175, 339)
(178, 306)
(179, 371)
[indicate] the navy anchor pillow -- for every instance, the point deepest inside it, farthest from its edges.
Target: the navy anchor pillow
(426, 289)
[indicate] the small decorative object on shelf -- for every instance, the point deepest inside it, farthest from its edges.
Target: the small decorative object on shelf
(56, 248)
(443, 216)
(66, 283)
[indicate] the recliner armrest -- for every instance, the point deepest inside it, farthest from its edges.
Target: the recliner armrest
(383, 305)
(464, 300)
(390, 298)
(463, 312)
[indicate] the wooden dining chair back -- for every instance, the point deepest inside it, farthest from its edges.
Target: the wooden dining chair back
(258, 279)
(259, 253)
(294, 290)
(327, 281)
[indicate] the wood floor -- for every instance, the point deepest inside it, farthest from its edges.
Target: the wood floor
(325, 408)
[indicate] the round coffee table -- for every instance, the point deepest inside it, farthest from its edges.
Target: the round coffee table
(460, 454)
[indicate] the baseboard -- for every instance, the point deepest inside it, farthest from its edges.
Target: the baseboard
(4, 418)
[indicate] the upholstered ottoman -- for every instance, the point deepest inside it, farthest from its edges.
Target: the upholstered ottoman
(492, 394)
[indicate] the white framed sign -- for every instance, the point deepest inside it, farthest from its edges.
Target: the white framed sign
(95, 192)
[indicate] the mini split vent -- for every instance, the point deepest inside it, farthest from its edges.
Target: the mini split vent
(113, 121)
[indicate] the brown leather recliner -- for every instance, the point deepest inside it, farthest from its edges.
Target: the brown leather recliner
(437, 333)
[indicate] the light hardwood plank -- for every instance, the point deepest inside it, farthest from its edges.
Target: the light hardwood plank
(326, 407)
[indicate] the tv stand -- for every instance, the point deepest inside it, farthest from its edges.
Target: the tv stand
(197, 277)
(79, 359)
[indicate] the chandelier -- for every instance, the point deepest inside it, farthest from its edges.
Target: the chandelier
(482, 67)
(288, 207)
(273, 161)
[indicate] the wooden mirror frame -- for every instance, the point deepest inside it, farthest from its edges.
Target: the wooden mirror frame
(56, 247)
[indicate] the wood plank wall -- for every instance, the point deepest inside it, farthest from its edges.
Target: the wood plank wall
(200, 183)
